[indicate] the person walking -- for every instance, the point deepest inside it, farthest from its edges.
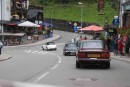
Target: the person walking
(108, 41)
(127, 46)
(120, 46)
(115, 48)
(1, 45)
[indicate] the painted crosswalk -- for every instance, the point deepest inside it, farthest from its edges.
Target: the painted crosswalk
(35, 52)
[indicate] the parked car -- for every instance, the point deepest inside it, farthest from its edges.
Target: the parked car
(49, 46)
(69, 49)
(92, 52)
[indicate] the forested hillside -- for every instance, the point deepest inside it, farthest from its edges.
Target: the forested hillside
(70, 10)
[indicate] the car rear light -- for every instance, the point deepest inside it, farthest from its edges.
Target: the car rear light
(81, 55)
(105, 55)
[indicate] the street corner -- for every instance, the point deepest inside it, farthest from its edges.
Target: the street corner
(5, 57)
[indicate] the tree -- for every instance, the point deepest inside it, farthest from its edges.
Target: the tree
(65, 1)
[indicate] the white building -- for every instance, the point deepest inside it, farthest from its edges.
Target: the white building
(5, 12)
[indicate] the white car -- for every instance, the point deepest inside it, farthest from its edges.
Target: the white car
(49, 46)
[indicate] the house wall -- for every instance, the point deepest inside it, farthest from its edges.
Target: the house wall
(5, 9)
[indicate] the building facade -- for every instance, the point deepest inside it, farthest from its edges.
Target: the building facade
(13, 12)
(124, 13)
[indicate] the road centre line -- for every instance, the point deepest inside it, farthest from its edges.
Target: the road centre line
(54, 67)
(41, 77)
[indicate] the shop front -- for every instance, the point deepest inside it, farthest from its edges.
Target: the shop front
(11, 39)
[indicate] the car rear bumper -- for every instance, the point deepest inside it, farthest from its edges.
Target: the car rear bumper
(92, 60)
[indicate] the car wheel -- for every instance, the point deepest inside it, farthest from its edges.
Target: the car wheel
(64, 53)
(47, 49)
(107, 65)
(77, 64)
(42, 48)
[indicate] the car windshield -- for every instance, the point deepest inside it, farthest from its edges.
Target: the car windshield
(91, 44)
(72, 45)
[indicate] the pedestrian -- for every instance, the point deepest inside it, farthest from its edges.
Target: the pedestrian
(115, 48)
(1, 45)
(127, 46)
(85, 38)
(120, 46)
(108, 41)
(81, 38)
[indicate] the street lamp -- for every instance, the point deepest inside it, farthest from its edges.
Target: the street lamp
(80, 3)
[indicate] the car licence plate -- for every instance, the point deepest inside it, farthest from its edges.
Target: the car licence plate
(93, 55)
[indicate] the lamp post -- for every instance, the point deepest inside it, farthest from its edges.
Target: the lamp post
(81, 14)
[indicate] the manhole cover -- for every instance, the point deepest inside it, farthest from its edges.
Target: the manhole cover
(83, 79)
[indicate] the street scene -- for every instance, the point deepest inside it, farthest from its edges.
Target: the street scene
(38, 47)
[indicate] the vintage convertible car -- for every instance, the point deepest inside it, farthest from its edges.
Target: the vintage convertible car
(49, 46)
(92, 52)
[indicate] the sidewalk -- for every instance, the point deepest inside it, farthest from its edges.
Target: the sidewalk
(122, 58)
(6, 56)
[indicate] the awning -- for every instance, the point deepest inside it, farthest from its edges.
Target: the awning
(12, 34)
(4, 22)
(112, 26)
(13, 23)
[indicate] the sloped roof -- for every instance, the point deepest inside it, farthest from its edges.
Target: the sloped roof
(126, 3)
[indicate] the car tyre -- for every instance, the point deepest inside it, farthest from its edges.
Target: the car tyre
(77, 64)
(107, 65)
(64, 53)
(42, 48)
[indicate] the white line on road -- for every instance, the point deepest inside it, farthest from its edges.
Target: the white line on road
(28, 51)
(42, 76)
(35, 52)
(59, 59)
(41, 52)
(54, 67)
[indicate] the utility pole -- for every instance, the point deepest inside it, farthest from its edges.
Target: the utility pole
(80, 3)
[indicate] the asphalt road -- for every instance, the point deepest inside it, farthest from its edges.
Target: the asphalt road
(33, 65)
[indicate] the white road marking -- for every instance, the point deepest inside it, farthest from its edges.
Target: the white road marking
(41, 52)
(54, 67)
(35, 52)
(28, 51)
(59, 59)
(41, 77)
